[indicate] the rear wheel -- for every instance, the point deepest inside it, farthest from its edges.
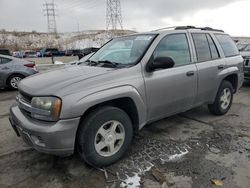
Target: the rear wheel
(13, 81)
(223, 100)
(104, 136)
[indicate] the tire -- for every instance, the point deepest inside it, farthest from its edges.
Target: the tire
(95, 131)
(13, 81)
(222, 101)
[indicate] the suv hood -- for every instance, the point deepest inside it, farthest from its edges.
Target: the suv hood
(245, 53)
(53, 82)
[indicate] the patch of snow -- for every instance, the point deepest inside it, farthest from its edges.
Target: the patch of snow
(134, 181)
(58, 63)
(131, 182)
(175, 157)
(178, 156)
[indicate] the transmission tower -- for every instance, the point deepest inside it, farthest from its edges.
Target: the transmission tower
(113, 15)
(50, 13)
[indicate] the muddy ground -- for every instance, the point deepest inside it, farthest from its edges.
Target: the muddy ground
(186, 150)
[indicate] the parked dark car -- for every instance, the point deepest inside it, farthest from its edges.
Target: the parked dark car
(87, 51)
(48, 52)
(72, 52)
(245, 52)
(5, 51)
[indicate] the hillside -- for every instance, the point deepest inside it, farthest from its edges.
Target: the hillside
(34, 40)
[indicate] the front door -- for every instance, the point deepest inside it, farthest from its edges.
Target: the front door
(171, 90)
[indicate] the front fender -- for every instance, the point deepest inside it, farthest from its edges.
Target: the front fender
(90, 100)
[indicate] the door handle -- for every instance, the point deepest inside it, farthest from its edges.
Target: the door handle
(190, 73)
(220, 67)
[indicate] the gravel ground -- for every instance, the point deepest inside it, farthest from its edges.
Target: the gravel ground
(186, 150)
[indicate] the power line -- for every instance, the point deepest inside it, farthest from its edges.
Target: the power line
(50, 13)
(83, 4)
(113, 15)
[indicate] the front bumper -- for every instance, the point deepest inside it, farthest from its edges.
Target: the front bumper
(53, 138)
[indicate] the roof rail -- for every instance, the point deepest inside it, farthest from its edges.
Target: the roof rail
(165, 28)
(189, 27)
(185, 27)
(201, 28)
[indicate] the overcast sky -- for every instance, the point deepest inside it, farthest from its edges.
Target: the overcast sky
(142, 15)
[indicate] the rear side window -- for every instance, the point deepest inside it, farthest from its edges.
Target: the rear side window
(228, 45)
(213, 48)
(4, 60)
(202, 47)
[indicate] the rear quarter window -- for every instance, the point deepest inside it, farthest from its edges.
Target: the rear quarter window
(228, 45)
(4, 60)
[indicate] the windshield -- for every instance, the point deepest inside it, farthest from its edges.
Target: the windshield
(247, 48)
(124, 51)
(85, 58)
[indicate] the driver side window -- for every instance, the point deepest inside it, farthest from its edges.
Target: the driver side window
(174, 46)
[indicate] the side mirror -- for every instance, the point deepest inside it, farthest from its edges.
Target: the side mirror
(161, 63)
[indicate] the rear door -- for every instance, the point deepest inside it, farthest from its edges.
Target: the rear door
(209, 65)
(171, 90)
(5, 69)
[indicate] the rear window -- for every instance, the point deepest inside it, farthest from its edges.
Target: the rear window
(228, 45)
(4, 60)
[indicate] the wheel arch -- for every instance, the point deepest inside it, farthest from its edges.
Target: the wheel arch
(233, 79)
(125, 103)
(13, 74)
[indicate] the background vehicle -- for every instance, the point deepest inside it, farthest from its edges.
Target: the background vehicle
(18, 54)
(30, 54)
(48, 52)
(86, 51)
(82, 60)
(72, 52)
(245, 52)
(240, 46)
(13, 70)
(5, 51)
(131, 81)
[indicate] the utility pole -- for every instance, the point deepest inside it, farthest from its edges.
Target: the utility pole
(113, 15)
(50, 13)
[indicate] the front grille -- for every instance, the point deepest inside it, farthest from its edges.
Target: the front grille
(24, 103)
(247, 62)
(27, 98)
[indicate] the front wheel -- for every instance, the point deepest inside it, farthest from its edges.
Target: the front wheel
(104, 136)
(223, 100)
(14, 80)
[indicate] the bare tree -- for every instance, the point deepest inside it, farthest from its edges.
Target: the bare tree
(3, 38)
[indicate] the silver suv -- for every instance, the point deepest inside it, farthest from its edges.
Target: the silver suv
(96, 107)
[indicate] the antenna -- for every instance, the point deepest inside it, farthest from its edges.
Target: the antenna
(113, 15)
(50, 13)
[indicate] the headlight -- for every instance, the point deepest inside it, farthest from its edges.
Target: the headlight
(46, 108)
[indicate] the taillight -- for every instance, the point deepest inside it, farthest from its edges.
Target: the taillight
(30, 65)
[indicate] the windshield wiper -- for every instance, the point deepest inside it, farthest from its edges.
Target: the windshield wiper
(106, 62)
(113, 64)
(91, 63)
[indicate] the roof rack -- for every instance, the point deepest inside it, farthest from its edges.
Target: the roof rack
(201, 28)
(165, 28)
(189, 27)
